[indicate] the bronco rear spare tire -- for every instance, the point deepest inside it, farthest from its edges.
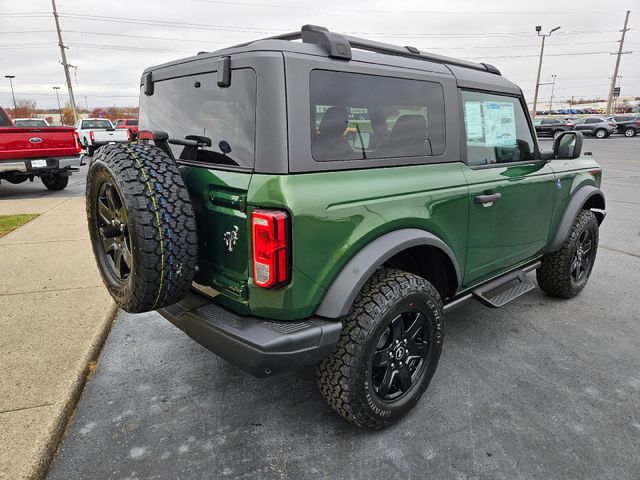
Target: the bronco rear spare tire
(142, 226)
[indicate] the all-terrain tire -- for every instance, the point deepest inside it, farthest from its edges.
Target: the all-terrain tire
(555, 274)
(344, 377)
(156, 222)
(55, 181)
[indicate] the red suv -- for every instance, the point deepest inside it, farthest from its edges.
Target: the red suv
(129, 123)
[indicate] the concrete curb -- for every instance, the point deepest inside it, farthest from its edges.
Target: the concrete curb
(70, 401)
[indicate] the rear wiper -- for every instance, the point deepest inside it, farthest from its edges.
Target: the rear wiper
(191, 141)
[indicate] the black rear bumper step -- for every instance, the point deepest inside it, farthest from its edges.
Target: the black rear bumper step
(258, 346)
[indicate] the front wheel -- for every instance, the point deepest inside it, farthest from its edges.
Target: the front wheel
(601, 133)
(557, 133)
(55, 181)
(630, 132)
(388, 350)
(565, 272)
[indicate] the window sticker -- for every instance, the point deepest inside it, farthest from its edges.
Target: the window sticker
(499, 122)
(473, 121)
(490, 123)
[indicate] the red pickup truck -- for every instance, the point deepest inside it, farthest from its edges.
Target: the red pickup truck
(51, 153)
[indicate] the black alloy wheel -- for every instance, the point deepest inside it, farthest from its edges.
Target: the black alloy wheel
(113, 231)
(581, 263)
(400, 356)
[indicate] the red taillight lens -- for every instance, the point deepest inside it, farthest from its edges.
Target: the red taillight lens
(145, 135)
(128, 135)
(612, 124)
(91, 137)
(637, 122)
(270, 248)
(76, 139)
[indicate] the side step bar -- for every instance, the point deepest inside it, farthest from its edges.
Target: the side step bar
(499, 291)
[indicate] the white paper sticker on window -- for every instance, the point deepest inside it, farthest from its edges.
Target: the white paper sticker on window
(473, 121)
(499, 123)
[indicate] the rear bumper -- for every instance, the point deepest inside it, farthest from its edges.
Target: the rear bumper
(258, 346)
(28, 165)
(99, 143)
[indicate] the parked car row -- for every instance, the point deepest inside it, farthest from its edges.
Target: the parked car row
(596, 126)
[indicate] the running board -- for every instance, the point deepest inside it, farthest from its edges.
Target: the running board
(502, 290)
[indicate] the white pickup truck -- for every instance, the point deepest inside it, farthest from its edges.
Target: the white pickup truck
(95, 132)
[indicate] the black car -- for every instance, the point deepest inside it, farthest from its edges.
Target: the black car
(552, 127)
(627, 125)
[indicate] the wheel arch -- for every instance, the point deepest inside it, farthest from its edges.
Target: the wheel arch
(586, 198)
(393, 247)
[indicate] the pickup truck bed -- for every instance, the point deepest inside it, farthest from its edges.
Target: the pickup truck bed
(46, 152)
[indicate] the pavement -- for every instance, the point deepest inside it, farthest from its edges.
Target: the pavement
(540, 389)
(55, 316)
(36, 190)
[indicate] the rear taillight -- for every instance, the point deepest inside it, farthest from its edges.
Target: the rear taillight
(76, 138)
(91, 137)
(612, 124)
(270, 248)
(128, 135)
(637, 122)
(145, 135)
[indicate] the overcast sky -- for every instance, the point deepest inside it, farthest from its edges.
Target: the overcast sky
(112, 41)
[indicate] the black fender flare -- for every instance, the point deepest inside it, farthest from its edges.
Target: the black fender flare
(346, 286)
(579, 199)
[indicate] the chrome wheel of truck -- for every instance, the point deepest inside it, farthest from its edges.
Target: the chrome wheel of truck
(142, 226)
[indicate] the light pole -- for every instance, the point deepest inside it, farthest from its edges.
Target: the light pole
(544, 36)
(553, 86)
(12, 94)
(86, 104)
(59, 109)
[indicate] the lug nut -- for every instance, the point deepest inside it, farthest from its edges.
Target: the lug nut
(400, 363)
(393, 365)
(405, 341)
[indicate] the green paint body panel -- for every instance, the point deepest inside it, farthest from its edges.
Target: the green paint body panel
(335, 214)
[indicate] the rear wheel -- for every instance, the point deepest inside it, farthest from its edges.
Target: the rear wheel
(388, 350)
(557, 133)
(601, 133)
(142, 226)
(55, 181)
(630, 132)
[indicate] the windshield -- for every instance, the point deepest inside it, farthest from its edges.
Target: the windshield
(223, 120)
(30, 123)
(96, 124)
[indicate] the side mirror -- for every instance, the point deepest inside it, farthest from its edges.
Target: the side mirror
(361, 140)
(568, 145)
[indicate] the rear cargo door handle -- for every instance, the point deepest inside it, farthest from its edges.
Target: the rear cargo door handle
(482, 199)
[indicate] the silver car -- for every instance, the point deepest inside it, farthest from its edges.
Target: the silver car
(597, 126)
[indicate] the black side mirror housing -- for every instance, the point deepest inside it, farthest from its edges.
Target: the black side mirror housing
(568, 145)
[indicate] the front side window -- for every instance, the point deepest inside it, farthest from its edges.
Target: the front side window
(496, 128)
(357, 117)
(221, 120)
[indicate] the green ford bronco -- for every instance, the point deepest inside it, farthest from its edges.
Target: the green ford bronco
(327, 201)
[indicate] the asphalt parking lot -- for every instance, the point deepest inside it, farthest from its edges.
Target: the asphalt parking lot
(36, 189)
(541, 388)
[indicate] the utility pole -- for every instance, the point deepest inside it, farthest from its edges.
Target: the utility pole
(59, 108)
(535, 97)
(64, 63)
(615, 70)
(10, 77)
(553, 86)
(86, 104)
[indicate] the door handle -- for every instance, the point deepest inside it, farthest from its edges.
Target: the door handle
(494, 197)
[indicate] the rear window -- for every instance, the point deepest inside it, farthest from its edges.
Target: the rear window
(30, 123)
(96, 124)
(197, 106)
(357, 116)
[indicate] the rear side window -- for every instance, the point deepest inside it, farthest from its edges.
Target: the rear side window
(132, 123)
(357, 117)
(196, 106)
(496, 128)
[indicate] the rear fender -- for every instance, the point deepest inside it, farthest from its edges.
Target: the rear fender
(344, 289)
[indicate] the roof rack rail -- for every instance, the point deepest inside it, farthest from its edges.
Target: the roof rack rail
(339, 46)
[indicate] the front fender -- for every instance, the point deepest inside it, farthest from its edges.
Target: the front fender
(344, 289)
(579, 199)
